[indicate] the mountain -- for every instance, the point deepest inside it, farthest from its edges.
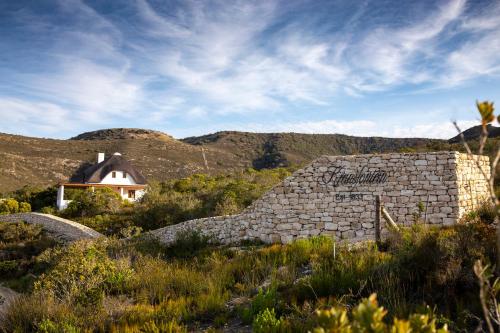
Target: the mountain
(474, 133)
(42, 162)
(284, 149)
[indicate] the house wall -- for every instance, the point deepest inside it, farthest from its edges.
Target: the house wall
(335, 195)
(119, 180)
(138, 194)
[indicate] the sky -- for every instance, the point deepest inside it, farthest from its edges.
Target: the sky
(367, 68)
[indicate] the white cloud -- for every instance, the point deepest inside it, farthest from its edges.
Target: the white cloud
(30, 117)
(387, 56)
(363, 128)
(95, 92)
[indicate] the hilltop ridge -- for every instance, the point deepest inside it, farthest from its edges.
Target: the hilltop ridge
(121, 133)
(159, 156)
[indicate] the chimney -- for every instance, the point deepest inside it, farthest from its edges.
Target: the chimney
(100, 157)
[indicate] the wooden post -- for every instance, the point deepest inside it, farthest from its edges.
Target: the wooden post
(389, 220)
(204, 158)
(378, 215)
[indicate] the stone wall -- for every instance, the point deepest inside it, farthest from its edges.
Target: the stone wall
(58, 227)
(472, 188)
(335, 195)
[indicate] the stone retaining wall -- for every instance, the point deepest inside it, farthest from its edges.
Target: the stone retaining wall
(58, 227)
(335, 195)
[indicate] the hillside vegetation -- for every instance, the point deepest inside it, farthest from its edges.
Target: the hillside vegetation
(43, 162)
(425, 274)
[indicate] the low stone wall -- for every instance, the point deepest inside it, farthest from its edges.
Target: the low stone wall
(335, 195)
(58, 227)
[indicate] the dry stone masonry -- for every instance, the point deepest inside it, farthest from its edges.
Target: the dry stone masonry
(59, 228)
(335, 195)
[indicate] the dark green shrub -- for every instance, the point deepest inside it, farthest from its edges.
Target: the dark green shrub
(202, 195)
(487, 213)
(91, 203)
(48, 210)
(156, 211)
(20, 243)
(36, 197)
(188, 244)
(262, 301)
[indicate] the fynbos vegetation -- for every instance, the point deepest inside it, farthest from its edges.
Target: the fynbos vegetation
(418, 279)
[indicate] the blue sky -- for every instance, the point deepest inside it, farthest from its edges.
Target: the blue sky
(387, 68)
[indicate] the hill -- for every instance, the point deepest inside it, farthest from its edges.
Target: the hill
(266, 150)
(474, 133)
(122, 134)
(42, 162)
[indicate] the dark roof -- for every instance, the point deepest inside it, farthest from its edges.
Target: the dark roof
(96, 172)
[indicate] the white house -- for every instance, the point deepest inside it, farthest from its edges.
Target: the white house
(114, 172)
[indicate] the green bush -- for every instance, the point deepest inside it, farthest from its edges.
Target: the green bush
(93, 202)
(156, 211)
(188, 244)
(24, 207)
(9, 206)
(12, 206)
(262, 301)
(82, 273)
(36, 197)
(202, 195)
(48, 210)
(266, 322)
(20, 243)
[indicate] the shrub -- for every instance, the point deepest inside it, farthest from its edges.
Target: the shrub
(166, 209)
(262, 301)
(19, 244)
(368, 316)
(24, 207)
(202, 195)
(12, 206)
(82, 273)
(48, 210)
(227, 205)
(487, 213)
(188, 244)
(37, 312)
(91, 203)
(9, 206)
(14, 233)
(155, 280)
(266, 322)
(36, 197)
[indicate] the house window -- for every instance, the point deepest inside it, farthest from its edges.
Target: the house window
(131, 194)
(124, 175)
(113, 174)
